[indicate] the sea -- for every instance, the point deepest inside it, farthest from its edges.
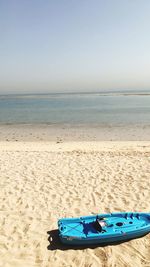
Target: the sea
(99, 108)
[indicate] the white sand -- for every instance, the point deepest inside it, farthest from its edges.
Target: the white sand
(41, 182)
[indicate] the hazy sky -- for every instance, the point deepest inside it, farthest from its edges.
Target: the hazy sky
(74, 45)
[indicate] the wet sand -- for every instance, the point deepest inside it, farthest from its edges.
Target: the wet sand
(67, 132)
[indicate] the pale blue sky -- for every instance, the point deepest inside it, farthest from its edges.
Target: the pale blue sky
(74, 45)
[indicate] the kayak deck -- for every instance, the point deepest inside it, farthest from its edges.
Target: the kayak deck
(111, 226)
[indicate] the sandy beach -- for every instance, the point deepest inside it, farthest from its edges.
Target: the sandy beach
(74, 133)
(44, 181)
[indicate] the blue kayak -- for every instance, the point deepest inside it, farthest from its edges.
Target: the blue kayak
(103, 228)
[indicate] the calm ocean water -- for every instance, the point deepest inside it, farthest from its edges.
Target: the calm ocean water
(96, 108)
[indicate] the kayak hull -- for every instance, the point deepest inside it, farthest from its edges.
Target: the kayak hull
(116, 227)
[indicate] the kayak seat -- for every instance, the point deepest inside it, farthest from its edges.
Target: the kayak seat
(97, 226)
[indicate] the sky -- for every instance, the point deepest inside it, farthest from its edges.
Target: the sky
(74, 45)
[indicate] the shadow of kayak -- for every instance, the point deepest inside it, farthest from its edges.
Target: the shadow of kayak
(56, 244)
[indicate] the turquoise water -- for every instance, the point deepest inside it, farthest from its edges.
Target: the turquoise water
(84, 108)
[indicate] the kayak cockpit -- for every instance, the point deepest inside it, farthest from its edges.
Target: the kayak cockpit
(105, 227)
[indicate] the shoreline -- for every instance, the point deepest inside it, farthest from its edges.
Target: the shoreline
(67, 132)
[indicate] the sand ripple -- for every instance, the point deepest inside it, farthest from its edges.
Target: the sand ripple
(37, 188)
